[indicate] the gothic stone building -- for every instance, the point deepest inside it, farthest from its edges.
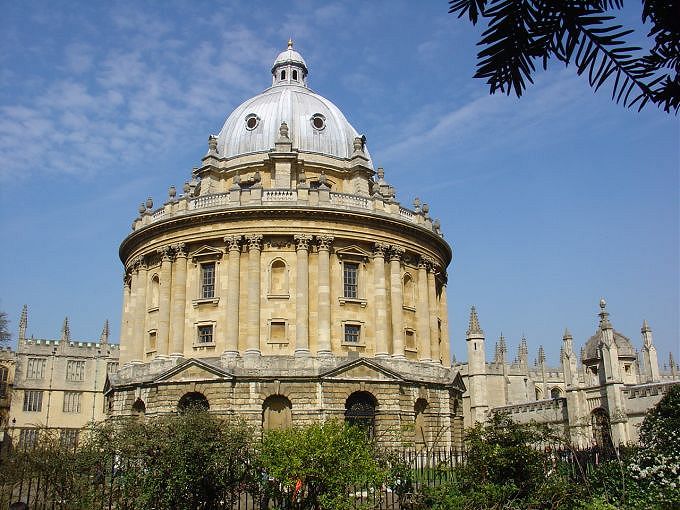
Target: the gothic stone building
(599, 397)
(286, 284)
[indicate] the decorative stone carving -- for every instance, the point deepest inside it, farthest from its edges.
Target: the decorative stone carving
(172, 192)
(166, 253)
(416, 205)
(180, 249)
(233, 242)
(149, 203)
(254, 241)
(302, 241)
(324, 242)
(379, 249)
(212, 143)
(396, 252)
(142, 208)
(283, 130)
(186, 188)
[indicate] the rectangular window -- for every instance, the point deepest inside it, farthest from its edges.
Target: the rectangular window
(28, 437)
(35, 368)
(350, 280)
(352, 333)
(205, 334)
(33, 400)
(72, 401)
(75, 370)
(152, 341)
(208, 281)
(4, 374)
(410, 339)
(277, 332)
(69, 437)
(111, 367)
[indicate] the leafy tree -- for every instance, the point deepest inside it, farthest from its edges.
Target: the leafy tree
(5, 335)
(318, 464)
(520, 32)
(656, 465)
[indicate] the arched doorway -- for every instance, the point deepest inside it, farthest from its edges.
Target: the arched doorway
(419, 433)
(360, 411)
(193, 401)
(276, 413)
(602, 433)
(139, 408)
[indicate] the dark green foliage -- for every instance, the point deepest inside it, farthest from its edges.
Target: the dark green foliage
(581, 32)
(324, 461)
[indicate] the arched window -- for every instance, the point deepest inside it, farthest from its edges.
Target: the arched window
(419, 433)
(139, 408)
(276, 413)
(278, 279)
(155, 292)
(193, 401)
(555, 392)
(4, 375)
(602, 434)
(409, 291)
(283, 74)
(360, 411)
(539, 393)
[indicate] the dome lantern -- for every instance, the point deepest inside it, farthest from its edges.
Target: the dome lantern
(289, 68)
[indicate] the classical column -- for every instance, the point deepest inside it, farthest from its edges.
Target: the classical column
(139, 284)
(380, 293)
(432, 307)
(125, 344)
(444, 317)
(254, 250)
(397, 299)
(324, 304)
(302, 295)
(233, 293)
(179, 299)
(423, 314)
(163, 338)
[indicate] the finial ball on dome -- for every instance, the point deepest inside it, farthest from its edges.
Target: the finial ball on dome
(603, 303)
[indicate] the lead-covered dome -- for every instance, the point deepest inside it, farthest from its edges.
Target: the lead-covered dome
(314, 123)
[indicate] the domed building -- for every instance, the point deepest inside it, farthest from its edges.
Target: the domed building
(286, 284)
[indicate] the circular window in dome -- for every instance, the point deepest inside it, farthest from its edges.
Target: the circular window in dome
(318, 121)
(252, 121)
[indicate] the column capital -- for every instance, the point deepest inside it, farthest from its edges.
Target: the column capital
(180, 250)
(138, 263)
(302, 241)
(396, 252)
(166, 253)
(254, 241)
(233, 242)
(379, 249)
(426, 262)
(324, 242)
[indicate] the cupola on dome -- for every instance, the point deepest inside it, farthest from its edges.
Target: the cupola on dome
(315, 124)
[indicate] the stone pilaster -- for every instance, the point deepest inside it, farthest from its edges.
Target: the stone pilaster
(139, 284)
(397, 300)
(179, 299)
(302, 295)
(254, 251)
(233, 294)
(423, 314)
(125, 321)
(163, 338)
(444, 317)
(432, 308)
(380, 295)
(324, 305)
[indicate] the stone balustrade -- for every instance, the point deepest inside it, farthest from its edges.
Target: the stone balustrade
(253, 197)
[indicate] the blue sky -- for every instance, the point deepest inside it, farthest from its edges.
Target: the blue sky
(550, 202)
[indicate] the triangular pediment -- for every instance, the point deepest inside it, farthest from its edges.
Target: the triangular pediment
(206, 252)
(361, 370)
(458, 383)
(193, 370)
(352, 252)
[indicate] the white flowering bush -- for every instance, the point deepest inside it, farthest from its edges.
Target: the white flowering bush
(656, 464)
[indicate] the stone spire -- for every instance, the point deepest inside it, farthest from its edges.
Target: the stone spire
(23, 324)
(541, 355)
(672, 365)
(604, 316)
(646, 338)
(501, 350)
(650, 359)
(473, 324)
(523, 352)
(567, 342)
(104, 337)
(65, 333)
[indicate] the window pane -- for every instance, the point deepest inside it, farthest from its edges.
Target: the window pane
(75, 370)
(205, 334)
(208, 281)
(33, 400)
(352, 332)
(350, 274)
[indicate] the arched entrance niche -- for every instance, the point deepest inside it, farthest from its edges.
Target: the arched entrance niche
(139, 408)
(419, 434)
(193, 400)
(602, 433)
(360, 411)
(555, 392)
(276, 413)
